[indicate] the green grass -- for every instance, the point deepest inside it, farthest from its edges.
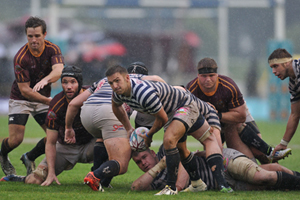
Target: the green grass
(72, 181)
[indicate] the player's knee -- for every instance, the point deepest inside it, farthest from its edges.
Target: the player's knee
(169, 142)
(32, 179)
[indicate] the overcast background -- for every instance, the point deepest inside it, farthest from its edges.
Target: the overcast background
(170, 41)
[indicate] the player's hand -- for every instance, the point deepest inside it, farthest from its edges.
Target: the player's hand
(148, 140)
(278, 147)
(50, 179)
(70, 136)
(40, 85)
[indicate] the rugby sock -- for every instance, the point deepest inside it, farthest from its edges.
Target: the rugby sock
(5, 149)
(38, 150)
(287, 181)
(100, 155)
(250, 138)
(108, 169)
(215, 162)
(172, 161)
(192, 167)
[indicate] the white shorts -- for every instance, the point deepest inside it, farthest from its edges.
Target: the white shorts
(100, 121)
(26, 107)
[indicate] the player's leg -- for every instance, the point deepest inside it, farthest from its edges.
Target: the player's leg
(251, 136)
(244, 169)
(213, 154)
(39, 114)
(233, 140)
(16, 129)
(173, 133)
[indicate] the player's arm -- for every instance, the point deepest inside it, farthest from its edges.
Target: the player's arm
(235, 115)
(161, 118)
(50, 78)
(182, 178)
(143, 183)
(121, 114)
(73, 108)
(291, 126)
(50, 151)
(29, 94)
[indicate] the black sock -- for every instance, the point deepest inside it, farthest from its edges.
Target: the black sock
(106, 181)
(100, 155)
(287, 181)
(172, 161)
(5, 148)
(108, 169)
(192, 167)
(250, 138)
(296, 173)
(38, 150)
(215, 162)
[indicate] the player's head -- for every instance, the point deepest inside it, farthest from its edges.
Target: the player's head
(207, 73)
(207, 66)
(34, 22)
(145, 160)
(70, 77)
(35, 29)
(118, 79)
(280, 61)
(137, 68)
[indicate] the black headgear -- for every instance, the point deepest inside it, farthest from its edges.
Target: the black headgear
(75, 72)
(137, 68)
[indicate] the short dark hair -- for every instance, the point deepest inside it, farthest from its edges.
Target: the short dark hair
(115, 69)
(206, 66)
(279, 53)
(34, 22)
(137, 68)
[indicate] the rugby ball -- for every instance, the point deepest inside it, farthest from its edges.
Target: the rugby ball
(137, 143)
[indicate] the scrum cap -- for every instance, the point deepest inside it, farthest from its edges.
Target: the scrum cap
(75, 72)
(137, 68)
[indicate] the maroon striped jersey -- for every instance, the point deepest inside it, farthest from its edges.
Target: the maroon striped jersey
(56, 120)
(226, 96)
(29, 68)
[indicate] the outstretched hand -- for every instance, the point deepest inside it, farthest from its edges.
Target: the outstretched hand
(148, 140)
(278, 147)
(40, 85)
(50, 179)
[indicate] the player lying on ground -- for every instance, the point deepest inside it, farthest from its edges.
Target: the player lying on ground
(241, 173)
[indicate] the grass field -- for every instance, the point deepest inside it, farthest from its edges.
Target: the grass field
(72, 181)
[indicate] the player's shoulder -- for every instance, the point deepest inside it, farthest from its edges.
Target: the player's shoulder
(50, 46)
(58, 99)
(192, 84)
(225, 80)
(20, 55)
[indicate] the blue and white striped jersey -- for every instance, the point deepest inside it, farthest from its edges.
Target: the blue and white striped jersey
(294, 84)
(102, 92)
(150, 97)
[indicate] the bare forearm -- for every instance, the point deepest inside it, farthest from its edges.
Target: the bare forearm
(55, 74)
(142, 183)
(51, 156)
(121, 115)
(291, 128)
(36, 97)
